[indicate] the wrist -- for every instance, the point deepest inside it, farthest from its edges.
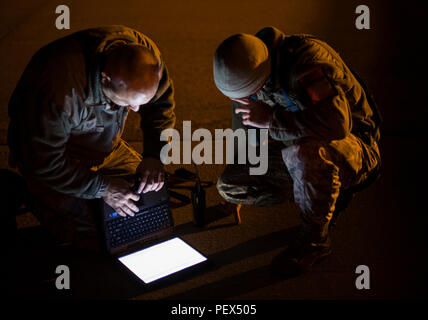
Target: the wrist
(105, 186)
(272, 116)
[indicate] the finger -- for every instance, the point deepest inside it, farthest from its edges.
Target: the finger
(160, 186)
(120, 212)
(133, 196)
(245, 116)
(143, 183)
(161, 180)
(127, 210)
(131, 205)
(149, 184)
(243, 101)
(250, 123)
(244, 109)
(155, 184)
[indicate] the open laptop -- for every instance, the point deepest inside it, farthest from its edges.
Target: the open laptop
(145, 243)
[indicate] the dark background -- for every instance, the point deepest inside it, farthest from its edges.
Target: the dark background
(384, 227)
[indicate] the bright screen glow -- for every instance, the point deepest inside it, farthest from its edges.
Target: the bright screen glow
(163, 259)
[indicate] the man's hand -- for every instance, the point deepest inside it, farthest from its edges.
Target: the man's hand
(254, 113)
(120, 197)
(152, 175)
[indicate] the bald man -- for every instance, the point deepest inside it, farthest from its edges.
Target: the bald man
(67, 115)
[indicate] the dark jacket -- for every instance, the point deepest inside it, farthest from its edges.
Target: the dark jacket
(60, 121)
(326, 101)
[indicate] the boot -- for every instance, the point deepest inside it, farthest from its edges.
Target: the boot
(310, 246)
(342, 203)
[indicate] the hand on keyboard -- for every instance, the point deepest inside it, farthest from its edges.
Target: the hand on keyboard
(152, 175)
(121, 198)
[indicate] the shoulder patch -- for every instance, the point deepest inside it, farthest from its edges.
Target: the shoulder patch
(317, 85)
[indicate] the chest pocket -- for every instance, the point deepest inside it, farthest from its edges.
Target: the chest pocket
(88, 126)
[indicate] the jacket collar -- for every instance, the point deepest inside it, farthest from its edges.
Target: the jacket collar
(95, 94)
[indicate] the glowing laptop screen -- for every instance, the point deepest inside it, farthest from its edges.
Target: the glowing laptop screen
(162, 259)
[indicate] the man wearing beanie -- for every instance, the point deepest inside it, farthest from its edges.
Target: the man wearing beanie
(323, 132)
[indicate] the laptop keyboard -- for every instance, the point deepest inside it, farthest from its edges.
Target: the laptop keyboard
(127, 229)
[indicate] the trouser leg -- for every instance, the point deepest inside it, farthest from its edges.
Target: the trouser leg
(124, 160)
(68, 220)
(321, 170)
(316, 184)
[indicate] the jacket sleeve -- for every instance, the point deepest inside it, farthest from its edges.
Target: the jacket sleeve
(158, 115)
(44, 157)
(325, 113)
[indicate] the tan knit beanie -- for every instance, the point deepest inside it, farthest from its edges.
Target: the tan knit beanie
(241, 65)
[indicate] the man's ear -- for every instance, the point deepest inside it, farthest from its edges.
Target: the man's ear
(105, 79)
